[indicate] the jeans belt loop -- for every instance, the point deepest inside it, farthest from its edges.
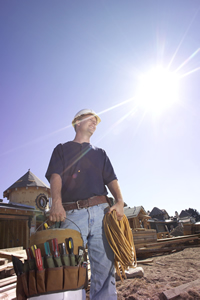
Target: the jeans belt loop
(78, 206)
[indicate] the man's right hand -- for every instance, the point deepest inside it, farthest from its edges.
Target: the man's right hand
(57, 212)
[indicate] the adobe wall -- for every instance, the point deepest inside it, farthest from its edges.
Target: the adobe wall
(27, 195)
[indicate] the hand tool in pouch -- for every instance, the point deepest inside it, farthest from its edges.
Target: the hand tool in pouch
(57, 258)
(80, 255)
(64, 255)
(38, 259)
(70, 248)
(84, 264)
(30, 256)
(46, 226)
(18, 265)
(49, 258)
(33, 248)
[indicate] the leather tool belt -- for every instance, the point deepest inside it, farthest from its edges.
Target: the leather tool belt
(52, 271)
(85, 203)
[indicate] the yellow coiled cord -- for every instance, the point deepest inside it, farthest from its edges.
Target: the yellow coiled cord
(120, 238)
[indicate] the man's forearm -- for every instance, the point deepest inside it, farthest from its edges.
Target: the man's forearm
(115, 191)
(119, 205)
(57, 212)
(56, 187)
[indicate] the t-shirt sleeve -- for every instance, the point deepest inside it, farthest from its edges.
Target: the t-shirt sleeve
(108, 171)
(56, 163)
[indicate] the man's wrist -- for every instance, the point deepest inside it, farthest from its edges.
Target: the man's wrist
(56, 201)
(120, 201)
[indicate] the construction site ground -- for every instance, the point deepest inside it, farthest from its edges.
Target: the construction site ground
(174, 275)
(169, 276)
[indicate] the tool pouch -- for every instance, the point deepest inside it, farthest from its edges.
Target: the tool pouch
(22, 287)
(40, 282)
(54, 279)
(51, 280)
(57, 274)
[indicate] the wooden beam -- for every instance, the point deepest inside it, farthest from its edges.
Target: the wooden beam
(4, 267)
(7, 288)
(13, 217)
(175, 292)
(8, 280)
(15, 211)
(8, 255)
(144, 261)
(3, 261)
(10, 294)
(170, 241)
(179, 237)
(13, 249)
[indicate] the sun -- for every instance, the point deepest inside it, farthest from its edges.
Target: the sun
(157, 90)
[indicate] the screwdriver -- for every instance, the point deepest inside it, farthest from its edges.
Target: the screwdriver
(49, 258)
(38, 258)
(64, 256)
(46, 226)
(33, 248)
(57, 258)
(70, 247)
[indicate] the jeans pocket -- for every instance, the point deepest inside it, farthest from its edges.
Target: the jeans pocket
(104, 207)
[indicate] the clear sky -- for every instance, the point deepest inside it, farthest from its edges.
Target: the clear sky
(57, 57)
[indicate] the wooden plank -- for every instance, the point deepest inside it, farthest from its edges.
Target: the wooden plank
(3, 261)
(8, 280)
(171, 241)
(4, 267)
(179, 237)
(14, 211)
(8, 255)
(8, 287)
(13, 217)
(11, 294)
(175, 292)
(144, 261)
(12, 249)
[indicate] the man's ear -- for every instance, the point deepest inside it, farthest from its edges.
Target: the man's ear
(78, 122)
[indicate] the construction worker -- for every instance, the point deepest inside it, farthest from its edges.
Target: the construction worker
(78, 173)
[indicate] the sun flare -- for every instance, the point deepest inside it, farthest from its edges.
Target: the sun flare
(157, 90)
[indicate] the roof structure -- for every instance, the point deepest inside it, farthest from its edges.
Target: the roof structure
(156, 212)
(184, 214)
(27, 180)
(133, 212)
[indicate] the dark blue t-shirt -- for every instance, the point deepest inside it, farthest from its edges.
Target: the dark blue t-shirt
(84, 169)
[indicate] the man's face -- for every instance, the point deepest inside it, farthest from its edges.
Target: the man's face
(87, 123)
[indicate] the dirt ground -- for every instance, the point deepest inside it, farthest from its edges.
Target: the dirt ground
(164, 273)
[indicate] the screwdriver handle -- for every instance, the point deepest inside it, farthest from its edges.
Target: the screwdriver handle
(70, 246)
(38, 258)
(55, 247)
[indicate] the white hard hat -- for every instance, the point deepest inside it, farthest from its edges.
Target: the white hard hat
(85, 111)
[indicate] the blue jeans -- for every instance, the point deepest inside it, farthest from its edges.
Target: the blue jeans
(101, 256)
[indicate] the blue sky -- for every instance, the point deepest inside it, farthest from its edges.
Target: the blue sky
(57, 57)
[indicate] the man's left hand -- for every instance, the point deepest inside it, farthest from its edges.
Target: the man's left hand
(119, 207)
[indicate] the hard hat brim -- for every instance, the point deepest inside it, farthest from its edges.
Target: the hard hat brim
(85, 112)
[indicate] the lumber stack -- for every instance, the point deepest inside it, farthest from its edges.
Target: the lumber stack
(191, 229)
(143, 236)
(168, 245)
(8, 277)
